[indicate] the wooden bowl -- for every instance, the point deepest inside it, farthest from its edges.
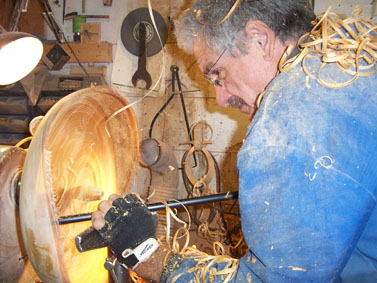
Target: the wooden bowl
(14, 264)
(77, 157)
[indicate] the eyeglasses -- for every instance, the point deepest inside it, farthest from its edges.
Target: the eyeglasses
(216, 80)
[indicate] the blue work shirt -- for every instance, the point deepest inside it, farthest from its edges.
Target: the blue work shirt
(308, 181)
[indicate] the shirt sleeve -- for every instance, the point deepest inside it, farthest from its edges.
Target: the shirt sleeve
(307, 183)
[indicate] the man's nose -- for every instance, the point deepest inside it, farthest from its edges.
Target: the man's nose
(222, 96)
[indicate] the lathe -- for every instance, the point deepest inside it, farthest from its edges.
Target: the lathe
(77, 157)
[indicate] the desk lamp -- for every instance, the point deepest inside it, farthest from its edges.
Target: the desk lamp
(19, 54)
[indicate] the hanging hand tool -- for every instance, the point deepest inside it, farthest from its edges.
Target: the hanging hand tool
(175, 78)
(90, 239)
(141, 72)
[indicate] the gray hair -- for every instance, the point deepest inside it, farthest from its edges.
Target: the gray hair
(287, 18)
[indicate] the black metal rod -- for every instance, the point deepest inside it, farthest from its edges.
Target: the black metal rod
(158, 206)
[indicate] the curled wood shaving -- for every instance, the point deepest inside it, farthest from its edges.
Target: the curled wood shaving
(173, 245)
(347, 42)
(204, 270)
(21, 142)
(211, 235)
(231, 11)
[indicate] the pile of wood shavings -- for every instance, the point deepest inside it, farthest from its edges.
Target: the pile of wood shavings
(350, 43)
(178, 243)
(204, 270)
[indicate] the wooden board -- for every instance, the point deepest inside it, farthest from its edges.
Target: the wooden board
(101, 52)
(90, 32)
(87, 17)
(76, 158)
(91, 70)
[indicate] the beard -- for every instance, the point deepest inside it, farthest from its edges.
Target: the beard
(236, 102)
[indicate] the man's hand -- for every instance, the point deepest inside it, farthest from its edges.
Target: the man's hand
(128, 226)
(98, 220)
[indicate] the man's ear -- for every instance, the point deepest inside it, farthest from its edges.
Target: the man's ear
(262, 36)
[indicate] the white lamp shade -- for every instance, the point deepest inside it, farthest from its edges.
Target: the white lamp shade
(19, 54)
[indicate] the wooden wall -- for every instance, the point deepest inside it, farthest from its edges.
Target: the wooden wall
(228, 125)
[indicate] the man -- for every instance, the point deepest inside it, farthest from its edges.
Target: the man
(308, 166)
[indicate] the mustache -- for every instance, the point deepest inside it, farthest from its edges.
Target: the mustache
(236, 102)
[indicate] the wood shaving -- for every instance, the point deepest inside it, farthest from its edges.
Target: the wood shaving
(204, 271)
(294, 268)
(231, 11)
(335, 40)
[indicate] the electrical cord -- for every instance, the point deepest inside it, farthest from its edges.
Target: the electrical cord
(77, 59)
(164, 106)
(160, 111)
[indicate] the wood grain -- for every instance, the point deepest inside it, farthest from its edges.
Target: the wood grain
(75, 150)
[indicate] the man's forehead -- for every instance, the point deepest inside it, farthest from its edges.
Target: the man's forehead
(204, 54)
